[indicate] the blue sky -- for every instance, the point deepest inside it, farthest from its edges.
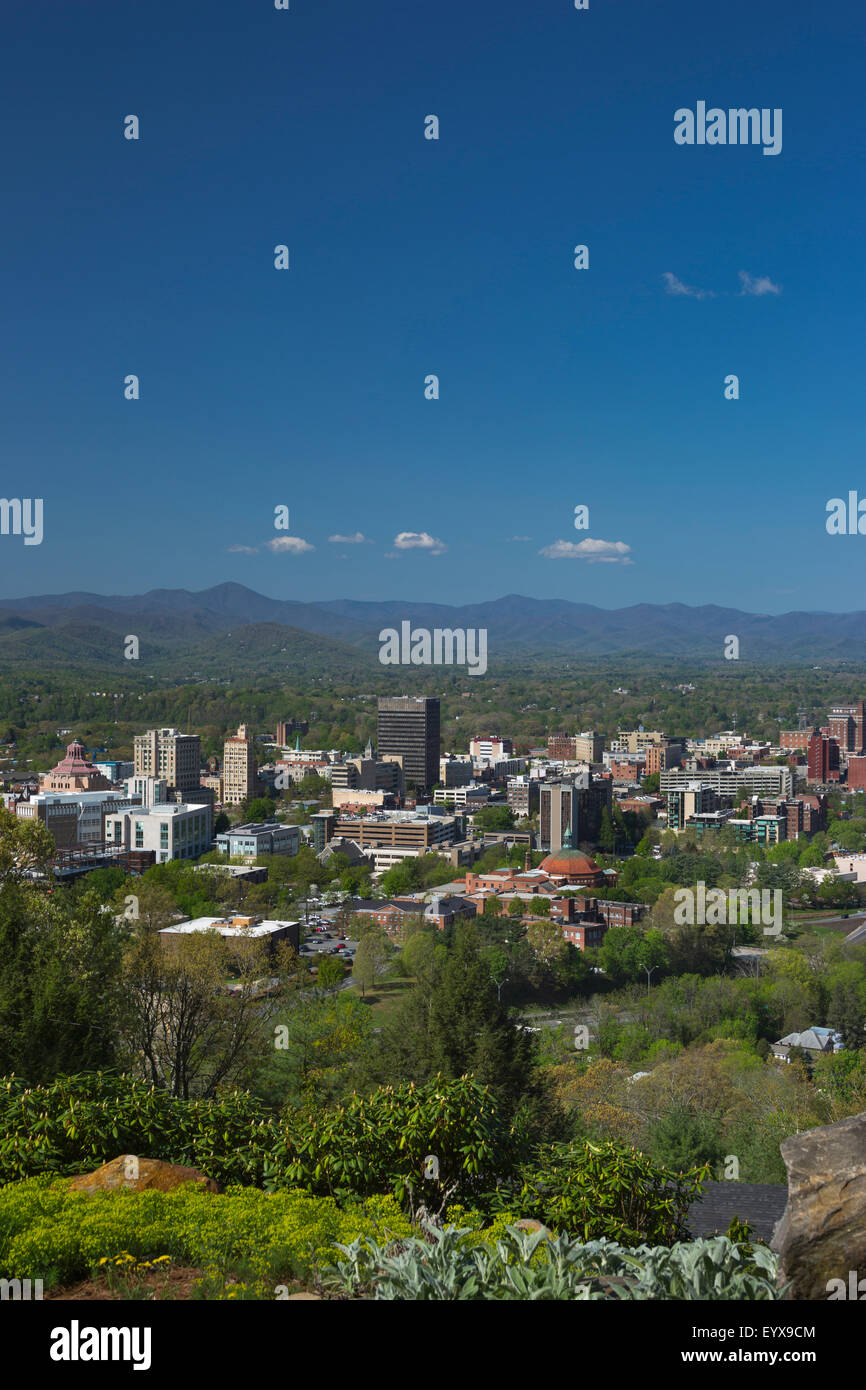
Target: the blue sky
(557, 387)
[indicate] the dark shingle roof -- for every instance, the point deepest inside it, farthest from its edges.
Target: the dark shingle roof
(761, 1204)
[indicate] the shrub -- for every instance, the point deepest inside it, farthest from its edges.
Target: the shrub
(605, 1191)
(529, 1267)
(52, 1233)
(369, 1145)
(79, 1122)
(380, 1144)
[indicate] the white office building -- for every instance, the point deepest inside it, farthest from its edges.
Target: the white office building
(172, 831)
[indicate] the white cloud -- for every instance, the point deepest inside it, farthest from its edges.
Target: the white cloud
(243, 550)
(518, 538)
(419, 540)
(358, 539)
(594, 552)
(676, 286)
(293, 545)
(757, 284)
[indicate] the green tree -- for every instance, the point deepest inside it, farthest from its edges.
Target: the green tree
(60, 993)
(332, 972)
(186, 1034)
(454, 1023)
(607, 833)
(372, 958)
(494, 818)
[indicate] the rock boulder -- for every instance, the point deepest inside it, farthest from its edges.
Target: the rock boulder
(822, 1234)
(129, 1173)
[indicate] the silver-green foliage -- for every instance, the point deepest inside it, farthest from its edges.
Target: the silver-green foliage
(528, 1266)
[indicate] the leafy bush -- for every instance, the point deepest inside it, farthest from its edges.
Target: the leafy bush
(370, 1145)
(529, 1267)
(52, 1233)
(380, 1144)
(79, 1122)
(605, 1191)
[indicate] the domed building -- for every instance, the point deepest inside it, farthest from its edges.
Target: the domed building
(572, 865)
(74, 773)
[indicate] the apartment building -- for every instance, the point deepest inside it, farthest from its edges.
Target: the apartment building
(636, 740)
(171, 756)
(823, 758)
(240, 773)
(696, 798)
(523, 796)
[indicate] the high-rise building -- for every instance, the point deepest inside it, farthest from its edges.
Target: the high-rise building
(823, 759)
(845, 722)
(240, 775)
(573, 807)
(172, 756)
(409, 729)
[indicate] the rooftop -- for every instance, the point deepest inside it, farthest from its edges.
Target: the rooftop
(228, 926)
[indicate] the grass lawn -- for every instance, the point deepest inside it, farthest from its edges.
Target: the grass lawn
(385, 997)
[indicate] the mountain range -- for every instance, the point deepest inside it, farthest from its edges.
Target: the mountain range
(229, 629)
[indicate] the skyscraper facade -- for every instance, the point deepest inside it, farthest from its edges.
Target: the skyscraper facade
(409, 729)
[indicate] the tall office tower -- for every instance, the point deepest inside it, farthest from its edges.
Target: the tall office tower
(173, 756)
(240, 774)
(573, 807)
(558, 815)
(409, 729)
(845, 722)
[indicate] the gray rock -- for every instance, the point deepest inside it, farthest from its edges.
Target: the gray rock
(822, 1234)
